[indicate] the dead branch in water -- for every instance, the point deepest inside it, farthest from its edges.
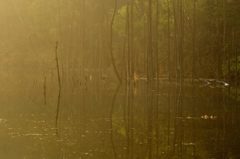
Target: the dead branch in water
(45, 90)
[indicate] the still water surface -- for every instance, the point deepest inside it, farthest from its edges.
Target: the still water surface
(101, 120)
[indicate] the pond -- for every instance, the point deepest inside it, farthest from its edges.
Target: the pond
(103, 120)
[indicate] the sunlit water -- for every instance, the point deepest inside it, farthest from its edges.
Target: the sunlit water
(101, 120)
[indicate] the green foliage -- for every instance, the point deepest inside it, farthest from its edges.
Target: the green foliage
(231, 68)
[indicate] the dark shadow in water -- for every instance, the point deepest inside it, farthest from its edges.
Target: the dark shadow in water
(111, 119)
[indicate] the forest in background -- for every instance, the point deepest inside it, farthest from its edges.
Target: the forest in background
(127, 78)
(195, 38)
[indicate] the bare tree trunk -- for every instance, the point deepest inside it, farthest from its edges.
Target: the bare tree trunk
(59, 87)
(194, 76)
(111, 43)
(157, 78)
(150, 71)
(45, 90)
(169, 77)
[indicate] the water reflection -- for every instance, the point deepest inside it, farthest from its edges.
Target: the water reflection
(129, 121)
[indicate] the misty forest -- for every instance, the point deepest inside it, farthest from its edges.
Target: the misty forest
(120, 79)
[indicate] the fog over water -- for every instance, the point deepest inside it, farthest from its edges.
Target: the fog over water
(119, 79)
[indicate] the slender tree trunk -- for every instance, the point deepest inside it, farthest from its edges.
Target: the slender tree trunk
(150, 71)
(194, 77)
(169, 76)
(128, 84)
(59, 87)
(111, 43)
(45, 90)
(157, 78)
